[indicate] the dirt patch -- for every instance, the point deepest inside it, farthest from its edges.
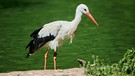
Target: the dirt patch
(66, 72)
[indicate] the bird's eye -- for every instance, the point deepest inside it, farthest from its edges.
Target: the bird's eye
(85, 10)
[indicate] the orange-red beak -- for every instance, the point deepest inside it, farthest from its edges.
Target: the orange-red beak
(91, 17)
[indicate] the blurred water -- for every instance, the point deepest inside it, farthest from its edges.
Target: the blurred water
(110, 40)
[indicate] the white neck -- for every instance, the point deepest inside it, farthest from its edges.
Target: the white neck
(77, 18)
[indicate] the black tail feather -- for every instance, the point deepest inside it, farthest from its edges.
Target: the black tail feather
(27, 55)
(29, 44)
(32, 47)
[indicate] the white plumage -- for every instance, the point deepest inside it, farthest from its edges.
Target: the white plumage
(61, 30)
(53, 34)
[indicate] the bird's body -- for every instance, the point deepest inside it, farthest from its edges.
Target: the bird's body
(53, 34)
(56, 32)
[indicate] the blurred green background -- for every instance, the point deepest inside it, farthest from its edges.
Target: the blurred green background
(19, 18)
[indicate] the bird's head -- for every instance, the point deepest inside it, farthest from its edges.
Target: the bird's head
(84, 9)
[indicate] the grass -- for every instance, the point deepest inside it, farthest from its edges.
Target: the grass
(18, 18)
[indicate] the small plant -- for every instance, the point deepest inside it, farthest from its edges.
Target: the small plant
(126, 66)
(127, 63)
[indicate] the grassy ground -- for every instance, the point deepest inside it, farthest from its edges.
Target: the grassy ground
(18, 18)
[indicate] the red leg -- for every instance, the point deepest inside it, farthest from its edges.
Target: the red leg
(45, 59)
(54, 59)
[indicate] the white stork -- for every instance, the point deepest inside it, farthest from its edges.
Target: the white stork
(53, 34)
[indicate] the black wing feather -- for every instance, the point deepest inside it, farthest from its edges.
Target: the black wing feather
(35, 33)
(37, 43)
